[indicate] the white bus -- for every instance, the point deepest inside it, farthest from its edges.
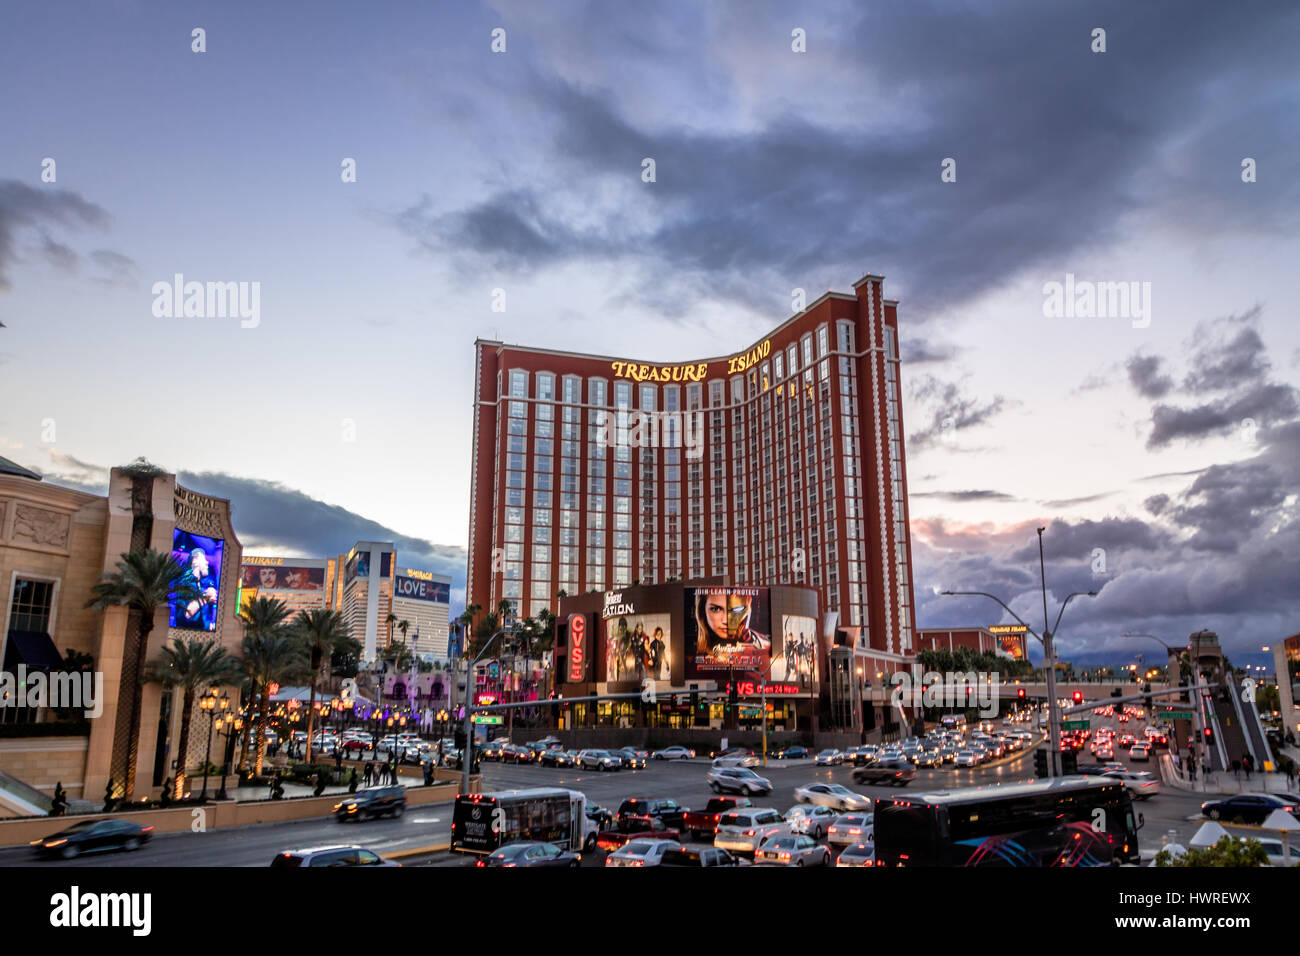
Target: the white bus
(483, 822)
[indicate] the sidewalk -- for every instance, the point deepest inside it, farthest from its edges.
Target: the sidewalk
(1223, 782)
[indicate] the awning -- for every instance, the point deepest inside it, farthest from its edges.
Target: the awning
(33, 648)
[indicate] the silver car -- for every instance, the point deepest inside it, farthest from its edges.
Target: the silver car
(834, 795)
(792, 850)
(810, 819)
(738, 780)
(599, 760)
(743, 831)
(852, 828)
(641, 853)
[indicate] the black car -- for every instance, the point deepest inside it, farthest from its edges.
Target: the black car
(528, 853)
(370, 803)
(699, 856)
(793, 753)
(669, 811)
(1251, 807)
(93, 836)
(598, 815)
(890, 770)
(631, 759)
(555, 758)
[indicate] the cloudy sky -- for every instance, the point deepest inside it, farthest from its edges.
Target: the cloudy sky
(1159, 447)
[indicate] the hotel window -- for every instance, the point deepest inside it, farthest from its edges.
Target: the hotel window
(514, 532)
(572, 386)
(546, 386)
(541, 499)
(513, 569)
(622, 395)
(891, 346)
(792, 357)
(32, 606)
(512, 589)
(518, 383)
(517, 426)
(597, 391)
(846, 336)
(648, 398)
(823, 341)
(716, 393)
(519, 410)
(672, 397)
(806, 344)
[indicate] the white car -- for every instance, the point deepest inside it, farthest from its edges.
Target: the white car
(749, 760)
(1142, 785)
(674, 753)
(738, 780)
(1275, 850)
(834, 795)
(852, 828)
(810, 819)
(641, 853)
(857, 854)
(829, 758)
(792, 849)
(743, 831)
(968, 758)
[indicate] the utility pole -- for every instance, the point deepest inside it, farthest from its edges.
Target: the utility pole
(1049, 662)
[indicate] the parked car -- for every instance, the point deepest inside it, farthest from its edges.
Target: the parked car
(93, 836)
(742, 831)
(792, 849)
(556, 758)
(674, 753)
(669, 811)
(1251, 807)
(851, 828)
(640, 852)
(352, 855)
(793, 753)
(833, 795)
(894, 770)
(738, 780)
(1277, 855)
(857, 854)
(370, 803)
(703, 824)
(530, 853)
(631, 759)
(810, 818)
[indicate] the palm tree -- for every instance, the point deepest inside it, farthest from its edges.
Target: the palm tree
(322, 633)
(271, 655)
(403, 626)
(189, 665)
(144, 582)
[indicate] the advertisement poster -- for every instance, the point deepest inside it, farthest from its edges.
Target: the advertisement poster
(727, 627)
(282, 578)
(637, 647)
(796, 662)
(201, 559)
(358, 566)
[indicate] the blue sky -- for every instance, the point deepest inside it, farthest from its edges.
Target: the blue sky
(1172, 447)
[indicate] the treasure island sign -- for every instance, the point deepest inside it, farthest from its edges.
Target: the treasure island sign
(694, 372)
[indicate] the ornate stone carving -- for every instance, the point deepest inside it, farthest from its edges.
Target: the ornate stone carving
(48, 528)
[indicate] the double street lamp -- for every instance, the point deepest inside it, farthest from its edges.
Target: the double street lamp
(467, 756)
(1049, 657)
(228, 726)
(211, 703)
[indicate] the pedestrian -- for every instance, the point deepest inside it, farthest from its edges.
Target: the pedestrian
(369, 773)
(1247, 762)
(165, 798)
(1236, 768)
(320, 785)
(1290, 772)
(59, 805)
(338, 760)
(352, 783)
(428, 773)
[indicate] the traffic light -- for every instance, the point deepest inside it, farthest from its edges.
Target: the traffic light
(1040, 762)
(733, 695)
(460, 738)
(1020, 694)
(1069, 763)
(1078, 697)
(1209, 735)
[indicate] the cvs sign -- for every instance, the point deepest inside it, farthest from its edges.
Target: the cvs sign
(577, 648)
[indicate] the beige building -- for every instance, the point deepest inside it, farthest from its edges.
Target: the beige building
(363, 589)
(55, 545)
(423, 600)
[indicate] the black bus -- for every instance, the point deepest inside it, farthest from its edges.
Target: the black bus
(1069, 821)
(482, 822)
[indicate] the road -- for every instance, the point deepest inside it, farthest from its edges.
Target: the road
(683, 781)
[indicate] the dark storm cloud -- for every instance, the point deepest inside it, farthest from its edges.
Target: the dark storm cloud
(916, 352)
(1071, 502)
(1255, 407)
(1144, 374)
(23, 206)
(961, 496)
(1229, 353)
(1045, 133)
(949, 410)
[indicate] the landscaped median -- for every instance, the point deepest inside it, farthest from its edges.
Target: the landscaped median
(225, 813)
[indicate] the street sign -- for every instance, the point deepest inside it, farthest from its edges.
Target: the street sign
(494, 671)
(1177, 715)
(1075, 724)
(494, 720)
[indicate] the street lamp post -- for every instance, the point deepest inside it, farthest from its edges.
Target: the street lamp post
(232, 724)
(467, 756)
(1049, 657)
(211, 703)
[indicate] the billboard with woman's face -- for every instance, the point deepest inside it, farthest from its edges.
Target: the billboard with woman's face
(200, 559)
(727, 627)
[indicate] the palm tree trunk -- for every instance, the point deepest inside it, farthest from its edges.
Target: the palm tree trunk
(311, 714)
(137, 695)
(184, 743)
(261, 731)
